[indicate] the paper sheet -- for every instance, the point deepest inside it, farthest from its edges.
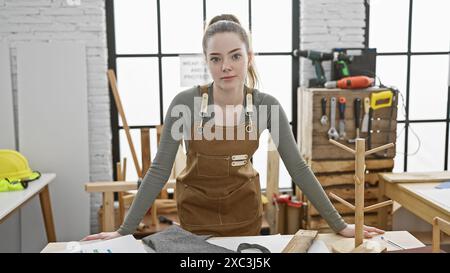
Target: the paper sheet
(124, 244)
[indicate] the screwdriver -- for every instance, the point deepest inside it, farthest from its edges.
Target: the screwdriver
(342, 102)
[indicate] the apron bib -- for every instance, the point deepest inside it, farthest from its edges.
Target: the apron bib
(218, 193)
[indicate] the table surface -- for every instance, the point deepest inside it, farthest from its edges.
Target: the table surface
(11, 200)
(402, 238)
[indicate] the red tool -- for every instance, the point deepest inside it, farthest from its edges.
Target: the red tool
(355, 82)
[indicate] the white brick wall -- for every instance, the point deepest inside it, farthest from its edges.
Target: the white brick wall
(327, 24)
(54, 20)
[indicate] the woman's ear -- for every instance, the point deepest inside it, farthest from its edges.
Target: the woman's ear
(250, 58)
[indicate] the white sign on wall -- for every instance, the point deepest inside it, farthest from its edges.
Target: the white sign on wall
(193, 70)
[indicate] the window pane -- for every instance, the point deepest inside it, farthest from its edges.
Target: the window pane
(399, 149)
(276, 79)
(136, 26)
(238, 8)
(181, 26)
(430, 156)
(430, 25)
(125, 151)
(137, 80)
(260, 164)
(428, 87)
(392, 72)
(274, 35)
(389, 25)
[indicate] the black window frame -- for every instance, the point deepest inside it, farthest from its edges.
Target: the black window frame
(407, 121)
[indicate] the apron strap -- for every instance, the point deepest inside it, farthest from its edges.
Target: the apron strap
(248, 106)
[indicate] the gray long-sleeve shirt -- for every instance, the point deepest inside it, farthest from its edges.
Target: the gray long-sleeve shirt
(159, 172)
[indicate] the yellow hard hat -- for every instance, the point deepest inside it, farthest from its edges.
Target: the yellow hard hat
(14, 167)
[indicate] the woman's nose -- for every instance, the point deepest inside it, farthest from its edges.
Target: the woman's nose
(226, 66)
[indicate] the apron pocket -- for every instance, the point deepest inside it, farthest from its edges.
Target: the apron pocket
(213, 166)
(242, 205)
(195, 209)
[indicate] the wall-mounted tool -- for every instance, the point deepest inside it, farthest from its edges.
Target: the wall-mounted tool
(365, 122)
(316, 58)
(357, 116)
(342, 102)
(381, 99)
(355, 82)
(332, 132)
(324, 118)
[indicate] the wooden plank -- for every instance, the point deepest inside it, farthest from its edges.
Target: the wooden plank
(330, 166)
(301, 241)
(110, 186)
(146, 153)
(108, 212)
(416, 177)
(345, 179)
(273, 165)
(377, 139)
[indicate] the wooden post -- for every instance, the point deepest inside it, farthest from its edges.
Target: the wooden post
(46, 207)
(359, 190)
(273, 165)
(108, 211)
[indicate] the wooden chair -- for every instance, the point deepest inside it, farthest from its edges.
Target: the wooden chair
(439, 225)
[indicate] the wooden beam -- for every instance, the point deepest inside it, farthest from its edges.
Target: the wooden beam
(347, 204)
(381, 148)
(108, 212)
(110, 186)
(46, 207)
(301, 241)
(342, 146)
(379, 205)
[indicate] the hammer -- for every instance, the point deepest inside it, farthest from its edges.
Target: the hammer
(357, 110)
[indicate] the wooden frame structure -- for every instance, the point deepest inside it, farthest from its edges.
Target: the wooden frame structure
(360, 168)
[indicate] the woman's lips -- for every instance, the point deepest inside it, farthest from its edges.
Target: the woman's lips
(228, 78)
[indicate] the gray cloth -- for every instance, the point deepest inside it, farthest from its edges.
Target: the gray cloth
(159, 172)
(174, 239)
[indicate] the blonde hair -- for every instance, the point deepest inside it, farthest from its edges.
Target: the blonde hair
(230, 23)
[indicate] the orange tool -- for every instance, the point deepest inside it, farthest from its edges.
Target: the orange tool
(355, 82)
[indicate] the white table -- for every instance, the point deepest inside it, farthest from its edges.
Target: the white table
(276, 243)
(13, 200)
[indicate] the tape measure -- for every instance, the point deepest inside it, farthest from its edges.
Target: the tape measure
(381, 99)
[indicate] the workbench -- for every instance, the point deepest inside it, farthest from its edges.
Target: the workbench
(11, 201)
(410, 190)
(276, 243)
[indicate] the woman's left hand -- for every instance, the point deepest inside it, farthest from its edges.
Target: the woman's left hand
(349, 231)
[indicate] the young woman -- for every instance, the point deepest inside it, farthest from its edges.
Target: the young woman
(218, 193)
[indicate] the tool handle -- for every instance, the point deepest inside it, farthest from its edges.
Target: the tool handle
(366, 105)
(342, 102)
(369, 135)
(357, 108)
(324, 106)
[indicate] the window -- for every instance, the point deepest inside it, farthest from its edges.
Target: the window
(412, 38)
(147, 37)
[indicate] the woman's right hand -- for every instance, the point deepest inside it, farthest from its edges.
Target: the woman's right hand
(102, 236)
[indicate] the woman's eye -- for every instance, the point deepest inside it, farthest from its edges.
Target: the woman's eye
(237, 56)
(215, 59)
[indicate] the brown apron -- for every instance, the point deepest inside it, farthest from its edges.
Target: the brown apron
(218, 193)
